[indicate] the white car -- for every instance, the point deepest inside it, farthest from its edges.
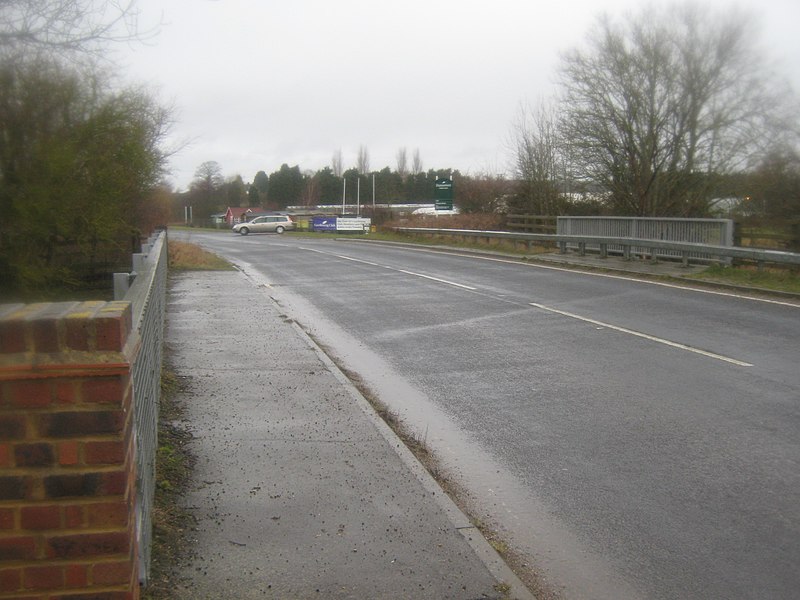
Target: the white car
(265, 224)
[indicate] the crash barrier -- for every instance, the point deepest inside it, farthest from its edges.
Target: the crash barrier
(629, 247)
(715, 232)
(79, 388)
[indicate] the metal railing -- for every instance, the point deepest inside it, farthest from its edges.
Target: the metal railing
(686, 251)
(715, 232)
(145, 287)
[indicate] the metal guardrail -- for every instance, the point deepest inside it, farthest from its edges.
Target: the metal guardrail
(145, 287)
(717, 232)
(698, 231)
(629, 246)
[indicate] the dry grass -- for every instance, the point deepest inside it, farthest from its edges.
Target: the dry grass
(190, 257)
(484, 222)
(771, 278)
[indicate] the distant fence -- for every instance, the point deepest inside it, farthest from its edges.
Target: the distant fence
(531, 223)
(145, 287)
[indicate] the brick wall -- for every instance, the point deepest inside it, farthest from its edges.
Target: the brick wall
(67, 468)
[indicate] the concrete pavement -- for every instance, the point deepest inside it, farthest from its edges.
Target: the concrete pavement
(300, 490)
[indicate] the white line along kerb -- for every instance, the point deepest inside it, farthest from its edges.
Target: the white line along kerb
(652, 338)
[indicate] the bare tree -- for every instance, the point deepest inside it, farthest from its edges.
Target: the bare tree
(206, 188)
(539, 160)
(336, 163)
(774, 189)
(362, 160)
(416, 163)
(483, 193)
(208, 176)
(67, 26)
(311, 190)
(402, 163)
(665, 101)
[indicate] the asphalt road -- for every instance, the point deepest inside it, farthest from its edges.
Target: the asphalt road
(631, 440)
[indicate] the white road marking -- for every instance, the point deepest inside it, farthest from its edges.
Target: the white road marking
(459, 285)
(372, 264)
(350, 258)
(577, 270)
(646, 336)
(358, 260)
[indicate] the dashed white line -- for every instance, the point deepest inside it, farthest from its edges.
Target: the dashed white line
(453, 283)
(677, 286)
(358, 260)
(372, 264)
(646, 336)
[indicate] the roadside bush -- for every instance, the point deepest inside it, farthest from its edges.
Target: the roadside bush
(78, 159)
(479, 221)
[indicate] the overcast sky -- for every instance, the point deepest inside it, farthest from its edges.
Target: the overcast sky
(258, 83)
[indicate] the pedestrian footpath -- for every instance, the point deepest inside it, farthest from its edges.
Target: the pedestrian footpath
(300, 490)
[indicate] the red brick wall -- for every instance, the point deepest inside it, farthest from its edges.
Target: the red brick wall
(67, 468)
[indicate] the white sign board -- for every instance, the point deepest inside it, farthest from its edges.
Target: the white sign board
(353, 224)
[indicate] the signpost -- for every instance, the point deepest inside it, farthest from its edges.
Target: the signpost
(444, 194)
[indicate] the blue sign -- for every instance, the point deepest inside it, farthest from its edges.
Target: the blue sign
(323, 224)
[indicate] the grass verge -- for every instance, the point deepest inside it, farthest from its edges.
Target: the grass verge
(773, 279)
(467, 243)
(184, 256)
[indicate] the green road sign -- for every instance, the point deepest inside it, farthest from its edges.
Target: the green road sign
(444, 194)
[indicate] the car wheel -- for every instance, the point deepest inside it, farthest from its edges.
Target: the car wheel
(279, 229)
(244, 231)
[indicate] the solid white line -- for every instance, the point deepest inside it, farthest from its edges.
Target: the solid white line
(644, 335)
(459, 285)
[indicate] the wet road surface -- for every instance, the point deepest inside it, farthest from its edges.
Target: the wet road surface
(299, 489)
(634, 440)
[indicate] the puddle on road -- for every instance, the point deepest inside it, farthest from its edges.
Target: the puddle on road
(495, 495)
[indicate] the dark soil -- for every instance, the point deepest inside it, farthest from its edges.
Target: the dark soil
(174, 462)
